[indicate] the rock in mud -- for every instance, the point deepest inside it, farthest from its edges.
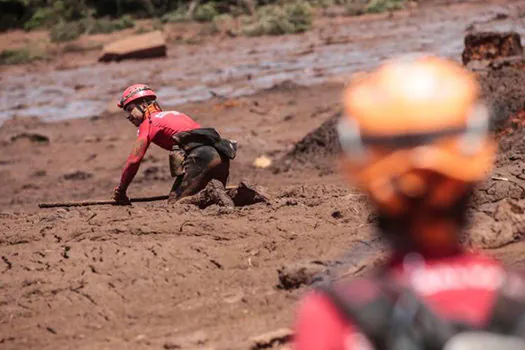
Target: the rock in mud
(170, 344)
(284, 86)
(247, 194)
(78, 175)
(195, 340)
(304, 273)
(491, 45)
(262, 162)
(270, 339)
(213, 193)
(33, 137)
(39, 173)
(502, 226)
(149, 45)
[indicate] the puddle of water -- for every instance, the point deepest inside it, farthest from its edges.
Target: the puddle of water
(86, 91)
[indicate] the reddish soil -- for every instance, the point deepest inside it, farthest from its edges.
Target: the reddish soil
(153, 276)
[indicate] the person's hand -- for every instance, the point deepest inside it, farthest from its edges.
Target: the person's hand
(120, 197)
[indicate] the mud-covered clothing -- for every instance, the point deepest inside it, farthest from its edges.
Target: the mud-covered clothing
(464, 288)
(159, 128)
(202, 164)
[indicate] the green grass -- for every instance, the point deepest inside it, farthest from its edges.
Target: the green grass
(205, 12)
(68, 31)
(19, 56)
(378, 6)
(279, 20)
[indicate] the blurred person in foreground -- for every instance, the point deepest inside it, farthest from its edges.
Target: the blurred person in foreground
(197, 155)
(415, 138)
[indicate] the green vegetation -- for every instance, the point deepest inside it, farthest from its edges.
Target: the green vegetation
(179, 15)
(278, 20)
(67, 31)
(66, 20)
(33, 14)
(377, 6)
(206, 12)
(64, 31)
(19, 56)
(360, 7)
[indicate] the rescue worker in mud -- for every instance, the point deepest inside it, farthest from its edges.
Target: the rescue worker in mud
(197, 155)
(415, 138)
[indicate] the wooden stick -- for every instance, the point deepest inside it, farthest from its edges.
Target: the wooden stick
(99, 202)
(106, 201)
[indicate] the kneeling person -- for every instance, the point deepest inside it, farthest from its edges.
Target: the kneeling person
(197, 155)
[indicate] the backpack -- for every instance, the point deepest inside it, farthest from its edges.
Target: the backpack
(395, 317)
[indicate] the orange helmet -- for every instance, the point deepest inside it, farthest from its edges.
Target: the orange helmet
(134, 92)
(408, 119)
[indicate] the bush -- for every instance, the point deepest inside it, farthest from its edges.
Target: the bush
(63, 31)
(276, 20)
(300, 15)
(378, 6)
(206, 12)
(225, 23)
(106, 25)
(67, 31)
(179, 15)
(19, 56)
(42, 17)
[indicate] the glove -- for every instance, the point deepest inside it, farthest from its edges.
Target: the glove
(120, 197)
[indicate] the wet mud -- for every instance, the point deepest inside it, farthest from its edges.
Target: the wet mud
(158, 276)
(77, 86)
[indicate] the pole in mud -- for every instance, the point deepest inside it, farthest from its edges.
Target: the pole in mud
(99, 202)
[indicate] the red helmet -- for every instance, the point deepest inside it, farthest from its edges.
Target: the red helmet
(134, 92)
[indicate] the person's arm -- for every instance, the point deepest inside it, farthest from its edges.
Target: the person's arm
(132, 164)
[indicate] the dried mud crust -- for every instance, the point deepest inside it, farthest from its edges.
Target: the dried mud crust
(490, 46)
(504, 89)
(498, 214)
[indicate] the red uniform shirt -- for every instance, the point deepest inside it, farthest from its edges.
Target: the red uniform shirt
(158, 128)
(461, 287)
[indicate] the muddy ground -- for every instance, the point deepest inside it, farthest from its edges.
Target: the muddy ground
(154, 276)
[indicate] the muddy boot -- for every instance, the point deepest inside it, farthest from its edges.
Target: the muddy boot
(216, 192)
(213, 193)
(172, 198)
(174, 194)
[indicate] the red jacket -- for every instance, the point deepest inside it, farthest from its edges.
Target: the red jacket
(158, 128)
(462, 287)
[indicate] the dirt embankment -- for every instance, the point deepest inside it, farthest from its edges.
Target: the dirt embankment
(497, 209)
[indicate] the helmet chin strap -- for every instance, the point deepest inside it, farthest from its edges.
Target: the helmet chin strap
(151, 108)
(139, 111)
